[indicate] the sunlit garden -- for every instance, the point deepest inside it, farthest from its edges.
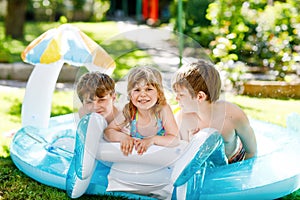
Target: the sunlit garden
(248, 41)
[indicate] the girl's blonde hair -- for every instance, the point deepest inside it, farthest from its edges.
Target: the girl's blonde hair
(152, 77)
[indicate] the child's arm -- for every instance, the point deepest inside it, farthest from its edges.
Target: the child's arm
(113, 133)
(178, 118)
(186, 125)
(171, 137)
(245, 132)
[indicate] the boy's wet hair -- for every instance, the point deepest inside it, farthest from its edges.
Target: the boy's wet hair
(199, 76)
(94, 84)
(150, 76)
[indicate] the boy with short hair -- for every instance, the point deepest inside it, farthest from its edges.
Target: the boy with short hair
(96, 92)
(198, 87)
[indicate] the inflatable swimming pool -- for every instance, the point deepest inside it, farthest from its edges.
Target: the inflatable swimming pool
(45, 154)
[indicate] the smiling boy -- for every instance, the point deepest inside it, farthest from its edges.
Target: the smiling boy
(96, 91)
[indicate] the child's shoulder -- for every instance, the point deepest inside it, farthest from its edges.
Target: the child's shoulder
(165, 110)
(166, 107)
(228, 105)
(234, 111)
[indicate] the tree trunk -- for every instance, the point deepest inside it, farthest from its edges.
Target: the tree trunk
(15, 18)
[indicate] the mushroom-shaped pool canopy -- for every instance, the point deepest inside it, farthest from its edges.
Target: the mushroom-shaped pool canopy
(48, 52)
(70, 45)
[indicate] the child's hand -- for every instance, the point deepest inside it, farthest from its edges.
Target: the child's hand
(126, 145)
(192, 132)
(141, 146)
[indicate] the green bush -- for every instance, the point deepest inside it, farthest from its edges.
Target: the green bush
(5, 54)
(252, 32)
(257, 34)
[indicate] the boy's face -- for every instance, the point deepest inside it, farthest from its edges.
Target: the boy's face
(185, 100)
(103, 106)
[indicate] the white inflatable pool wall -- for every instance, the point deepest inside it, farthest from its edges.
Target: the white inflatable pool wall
(89, 140)
(87, 144)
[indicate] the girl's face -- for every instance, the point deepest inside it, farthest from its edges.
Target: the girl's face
(143, 95)
(103, 106)
(185, 100)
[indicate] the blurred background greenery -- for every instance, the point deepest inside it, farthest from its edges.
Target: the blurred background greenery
(260, 35)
